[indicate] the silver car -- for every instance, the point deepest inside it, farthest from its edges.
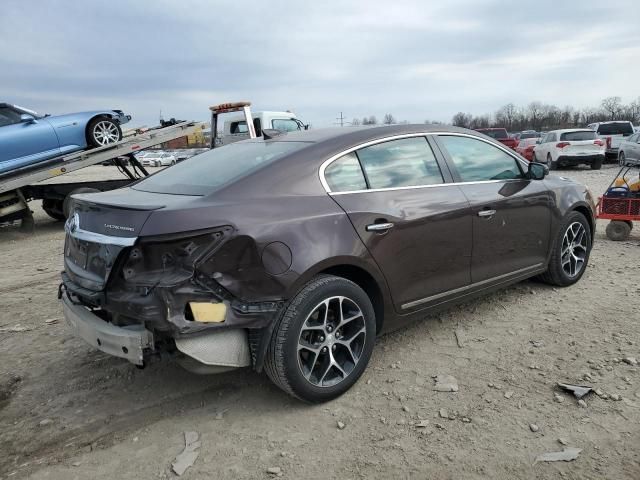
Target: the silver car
(629, 150)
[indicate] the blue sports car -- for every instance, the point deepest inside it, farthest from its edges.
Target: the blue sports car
(27, 138)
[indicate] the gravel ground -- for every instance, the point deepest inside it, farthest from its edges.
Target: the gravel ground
(67, 411)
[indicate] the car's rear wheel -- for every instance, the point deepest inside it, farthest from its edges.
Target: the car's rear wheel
(621, 159)
(103, 131)
(551, 164)
(571, 249)
(323, 340)
(618, 230)
(597, 164)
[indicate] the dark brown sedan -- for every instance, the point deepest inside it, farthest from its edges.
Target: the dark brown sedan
(292, 254)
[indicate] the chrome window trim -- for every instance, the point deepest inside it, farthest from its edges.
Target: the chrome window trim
(333, 158)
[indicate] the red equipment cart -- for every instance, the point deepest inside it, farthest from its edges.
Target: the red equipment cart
(621, 205)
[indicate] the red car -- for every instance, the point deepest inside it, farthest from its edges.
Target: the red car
(499, 134)
(525, 148)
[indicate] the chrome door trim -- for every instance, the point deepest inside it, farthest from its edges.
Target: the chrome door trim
(331, 159)
(471, 286)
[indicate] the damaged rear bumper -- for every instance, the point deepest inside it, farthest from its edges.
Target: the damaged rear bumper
(128, 342)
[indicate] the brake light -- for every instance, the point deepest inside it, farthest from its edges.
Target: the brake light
(598, 142)
(608, 142)
(562, 144)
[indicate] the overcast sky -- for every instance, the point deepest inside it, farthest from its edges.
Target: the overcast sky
(414, 59)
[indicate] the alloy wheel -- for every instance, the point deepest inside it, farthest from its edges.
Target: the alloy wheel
(574, 249)
(331, 341)
(105, 133)
(621, 159)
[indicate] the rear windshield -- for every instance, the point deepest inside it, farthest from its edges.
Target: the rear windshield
(207, 172)
(577, 136)
(529, 135)
(500, 133)
(617, 128)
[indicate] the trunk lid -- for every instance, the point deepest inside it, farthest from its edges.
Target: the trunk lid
(582, 147)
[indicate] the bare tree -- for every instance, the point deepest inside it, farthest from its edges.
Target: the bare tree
(355, 122)
(535, 111)
(388, 119)
(612, 106)
(506, 115)
(462, 119)
(372, 120)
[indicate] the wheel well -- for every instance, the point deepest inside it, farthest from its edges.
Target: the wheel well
(365, 281)
(587, 213)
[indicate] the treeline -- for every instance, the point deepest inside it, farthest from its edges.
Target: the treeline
(541, 116)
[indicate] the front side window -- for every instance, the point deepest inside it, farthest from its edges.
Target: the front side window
(345, 174)
(400, 163)
(478, 161)
(8, 116)
(285, 125)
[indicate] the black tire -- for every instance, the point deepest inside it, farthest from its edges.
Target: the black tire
(621, 159)
(68, 201)
(551, 164)
(597, 164)
(555, 274)
(283, 362)
(618, 230)
(103, 131)
(54, 208)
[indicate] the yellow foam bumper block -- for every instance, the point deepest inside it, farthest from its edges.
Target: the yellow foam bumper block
(208, 312)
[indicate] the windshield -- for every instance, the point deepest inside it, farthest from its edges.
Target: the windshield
(524, 135)
(577, 136)
(499, 133)
(617, 128)
(207, 172)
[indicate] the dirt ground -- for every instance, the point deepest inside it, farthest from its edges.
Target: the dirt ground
(67, 411)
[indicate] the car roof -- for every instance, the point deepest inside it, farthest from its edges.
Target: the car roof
(568, 130)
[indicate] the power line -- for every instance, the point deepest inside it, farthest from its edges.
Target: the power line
(340, 120)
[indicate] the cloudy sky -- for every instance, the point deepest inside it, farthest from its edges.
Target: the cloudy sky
(414, 59)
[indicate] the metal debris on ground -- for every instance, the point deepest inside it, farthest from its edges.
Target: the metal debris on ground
(445, 383)
(189, 455)
(578, 391)
(566, 455)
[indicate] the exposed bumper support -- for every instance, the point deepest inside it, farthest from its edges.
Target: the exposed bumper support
(224, 348)
(124, 342)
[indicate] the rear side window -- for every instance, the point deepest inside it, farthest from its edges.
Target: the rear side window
(617, 128)
(578, 136)
(400, 163)
(478, 161)
(345, 174)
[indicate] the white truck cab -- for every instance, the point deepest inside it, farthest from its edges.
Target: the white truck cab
(235, 126)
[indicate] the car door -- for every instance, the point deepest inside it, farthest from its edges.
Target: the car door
(511, 214)
(24, 142)
(416, 226)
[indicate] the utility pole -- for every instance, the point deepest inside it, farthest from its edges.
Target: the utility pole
(340, 120)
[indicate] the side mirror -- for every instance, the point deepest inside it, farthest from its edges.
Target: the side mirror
(26, 118)
(537, 171)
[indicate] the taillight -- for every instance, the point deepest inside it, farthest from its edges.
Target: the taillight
(598, 142)
(608, 142)
(562, 144)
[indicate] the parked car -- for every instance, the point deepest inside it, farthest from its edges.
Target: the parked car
(292, 254)
(165, 160)
(570, 147)
(629, 150)
(501, 135)
(28, 138)
(612, 133)
(158, 158)
(526, 147)
(527, 134)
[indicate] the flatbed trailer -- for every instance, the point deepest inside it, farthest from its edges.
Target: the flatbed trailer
(20, 186)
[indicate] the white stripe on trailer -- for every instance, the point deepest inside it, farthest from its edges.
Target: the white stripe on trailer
(86, 158)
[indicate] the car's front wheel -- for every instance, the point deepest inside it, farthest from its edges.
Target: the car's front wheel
(103, 131)
(323, 340)
(571, 249)
(551, 164)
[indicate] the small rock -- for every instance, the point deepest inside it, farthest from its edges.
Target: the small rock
(563, 441)
(135, 439)
(283, 454)
(422, 424)
(466, 419)
(558, 398)
(534, 427)
(274, 470)
(45, 422)
(443, 413)
(75, 464)
(616, 397)
(508, 394)
(582, 403)
(405, 408)
(630, 361)
(341, 426)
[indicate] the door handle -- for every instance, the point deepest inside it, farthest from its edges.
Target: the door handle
(486, 213)
(379, 227)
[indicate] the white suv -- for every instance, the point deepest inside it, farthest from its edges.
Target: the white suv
(570, 147)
